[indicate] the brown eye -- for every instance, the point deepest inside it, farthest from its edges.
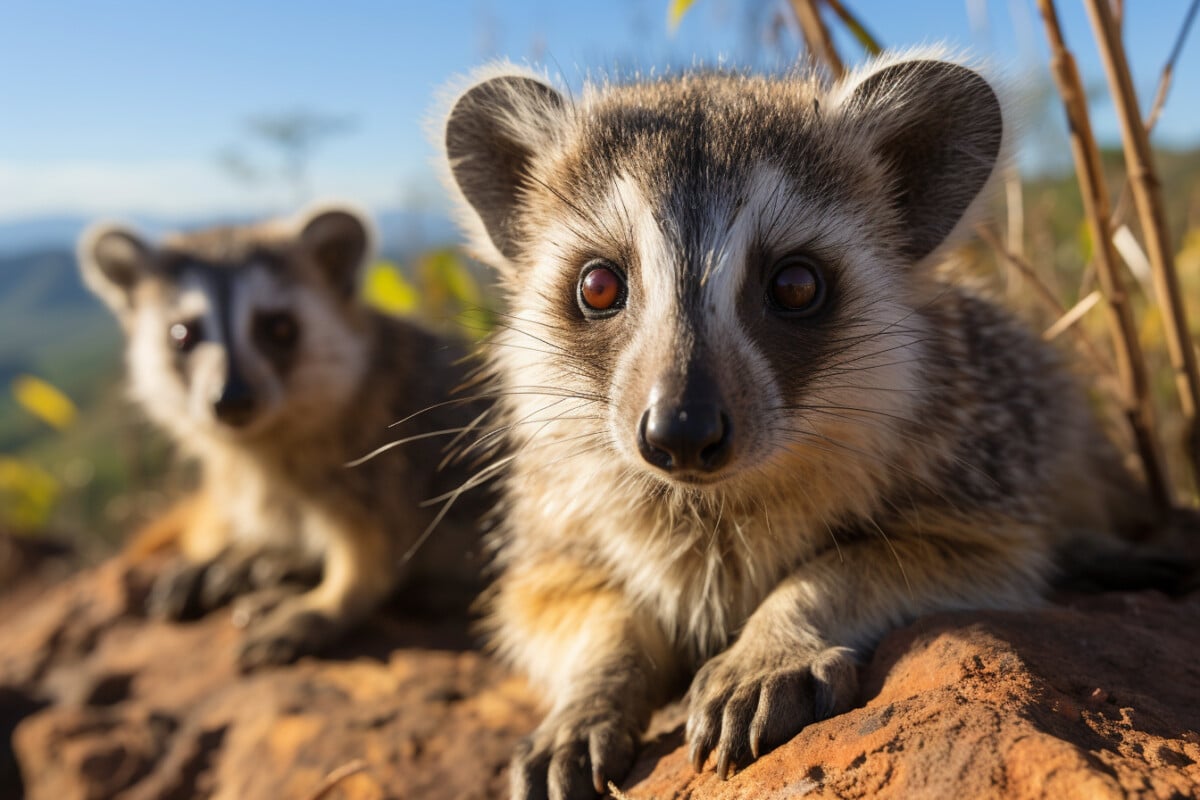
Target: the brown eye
(186, 335)
(796, 288)
(278, 329)
(601, 290)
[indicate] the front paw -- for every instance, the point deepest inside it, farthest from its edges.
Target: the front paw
(573, 754)
(186, 590)
(285, 634)
(744, 704)
(177, 592)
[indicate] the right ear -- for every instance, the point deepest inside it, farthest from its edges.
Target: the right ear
(492, 134)
(113, 260)
(338, 240)
(938, 126)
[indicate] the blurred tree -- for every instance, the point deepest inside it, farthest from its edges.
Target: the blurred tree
(294, 136)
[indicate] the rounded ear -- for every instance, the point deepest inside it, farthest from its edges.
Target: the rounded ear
(338, 241)
(113, 260)
(939, 127)
(492, 133)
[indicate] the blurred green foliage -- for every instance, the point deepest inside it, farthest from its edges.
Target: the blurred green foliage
(45, 401)
(443, 291)
(28, 495)
(386, 288)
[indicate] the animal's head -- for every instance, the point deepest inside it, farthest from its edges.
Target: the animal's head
(726, 270)
(239, 331)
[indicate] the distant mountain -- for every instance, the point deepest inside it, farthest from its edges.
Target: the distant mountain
(51, 327)
(38, 233)
(41, 279)
(47, 314)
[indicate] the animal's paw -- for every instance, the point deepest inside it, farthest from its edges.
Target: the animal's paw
(175, 594)
(187, 590)
(240, 571)
(286, 633)
(574, 753)
(251, 609)
(745, 702)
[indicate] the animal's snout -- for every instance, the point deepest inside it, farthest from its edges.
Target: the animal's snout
(235, 404)
(690, 436)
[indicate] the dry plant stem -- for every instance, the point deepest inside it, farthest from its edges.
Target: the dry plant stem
(1147, 196)
(1131, 364)
(340, 774)
(856, 27)
(816, 36)
(1077, 312)
(1168, 70)
(1100, 364)
(1014, 202)
(1160, 97)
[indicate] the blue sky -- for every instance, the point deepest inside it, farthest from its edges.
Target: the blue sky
(123, 107)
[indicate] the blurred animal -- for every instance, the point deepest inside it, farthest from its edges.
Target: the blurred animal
(249, 345)
(755, 425)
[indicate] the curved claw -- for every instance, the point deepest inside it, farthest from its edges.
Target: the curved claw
(176, 593)
(572, 755)
(285, 635)
(744, 708)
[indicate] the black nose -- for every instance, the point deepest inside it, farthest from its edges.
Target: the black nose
(693, 436)
(235, 405)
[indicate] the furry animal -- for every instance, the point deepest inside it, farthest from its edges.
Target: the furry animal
(754, 425)
(249, 345)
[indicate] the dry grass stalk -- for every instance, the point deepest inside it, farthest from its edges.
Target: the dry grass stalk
(1014, 201)
(1160, 99)
(816, 36)
(1147, 196)
(855, 26)
(1168, 70)
(1131, 364)
(1100, 364)
(1160, 96)
(1015, 204)
(1135, 258)
(1067, 321)
(338, 775)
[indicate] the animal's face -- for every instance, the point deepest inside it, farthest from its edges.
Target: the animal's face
(237, 332)
(723, 271)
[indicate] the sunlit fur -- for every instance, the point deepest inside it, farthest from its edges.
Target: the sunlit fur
(277, 486)
(913, 449)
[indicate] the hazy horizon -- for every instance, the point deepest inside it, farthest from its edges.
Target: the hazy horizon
(142, 110)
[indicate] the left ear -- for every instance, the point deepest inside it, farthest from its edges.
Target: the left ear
(338, 241)
(938, 127)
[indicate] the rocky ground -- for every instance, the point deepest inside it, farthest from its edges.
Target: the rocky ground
(1096, 697)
